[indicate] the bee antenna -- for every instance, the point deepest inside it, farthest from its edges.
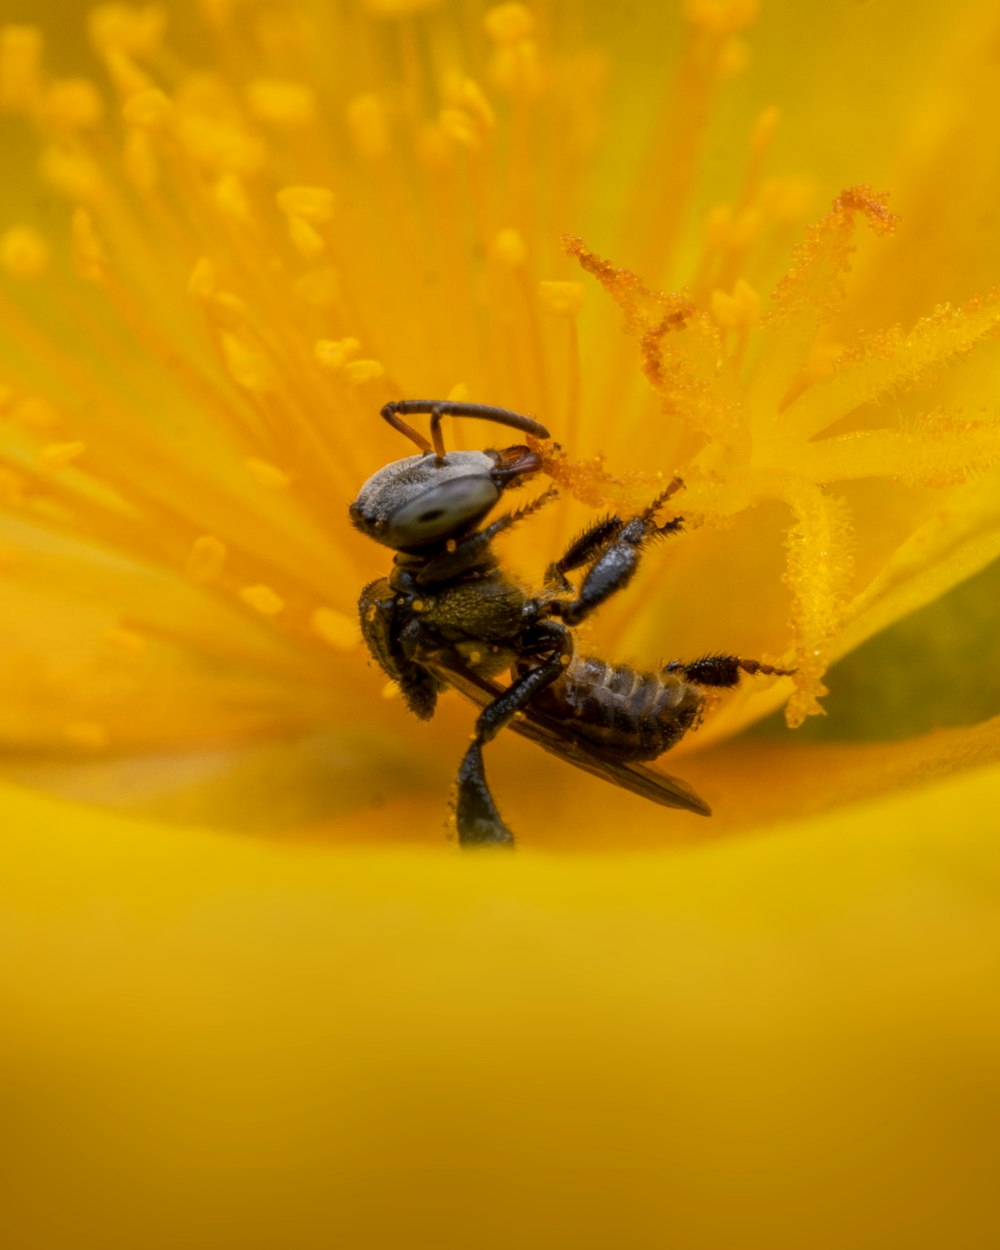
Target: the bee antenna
(438, 408)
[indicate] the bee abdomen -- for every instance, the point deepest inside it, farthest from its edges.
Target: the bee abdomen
(628, 715)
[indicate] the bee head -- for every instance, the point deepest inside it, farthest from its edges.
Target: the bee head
(423, 501)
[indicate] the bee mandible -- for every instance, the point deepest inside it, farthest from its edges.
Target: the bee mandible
(448, 616)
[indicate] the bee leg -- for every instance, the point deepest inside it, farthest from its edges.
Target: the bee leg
(479, 822)
(419, 686)
(582, 550)
(611, 571)
(723, 670)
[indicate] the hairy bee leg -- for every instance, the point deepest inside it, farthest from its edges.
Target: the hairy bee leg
(479, 822)
(595, 539)
(723, 671)
(613, 569)
(377, 615)
(582, 550)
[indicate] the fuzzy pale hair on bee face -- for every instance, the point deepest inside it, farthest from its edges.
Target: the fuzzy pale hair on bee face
(420, 500)
(413, 503)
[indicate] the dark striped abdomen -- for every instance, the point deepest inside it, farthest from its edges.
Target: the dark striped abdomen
(625, 714)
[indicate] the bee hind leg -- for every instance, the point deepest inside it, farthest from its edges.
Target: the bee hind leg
(479, 822)
(723, 671)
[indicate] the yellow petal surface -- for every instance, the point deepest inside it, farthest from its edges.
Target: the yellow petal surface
(215, 1043)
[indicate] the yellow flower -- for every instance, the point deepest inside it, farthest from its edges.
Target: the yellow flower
(754, 250)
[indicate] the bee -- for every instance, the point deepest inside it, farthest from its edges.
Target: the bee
(448, 616)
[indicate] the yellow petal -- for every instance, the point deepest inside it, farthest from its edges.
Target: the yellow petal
(807, 1024)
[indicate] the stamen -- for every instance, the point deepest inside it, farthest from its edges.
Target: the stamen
(313, 204)
(206, 559)
(24, 252)
(268, 475)
(58, 455)
(358, 372)
(72, 104)
(88, 253)
(369, 126)
(565, 299)
(335, 354)
(448, 173)
(287, 105)
(149, 109)
(263, 600)
(20, 68)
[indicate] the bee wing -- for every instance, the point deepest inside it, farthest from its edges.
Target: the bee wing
(658, 787)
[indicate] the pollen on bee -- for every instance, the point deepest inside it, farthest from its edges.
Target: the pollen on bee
(451, 545)
(419, 605)
(476, 657)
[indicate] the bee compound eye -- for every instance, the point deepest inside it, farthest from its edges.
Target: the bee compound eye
(442, 509)
(364, 520)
